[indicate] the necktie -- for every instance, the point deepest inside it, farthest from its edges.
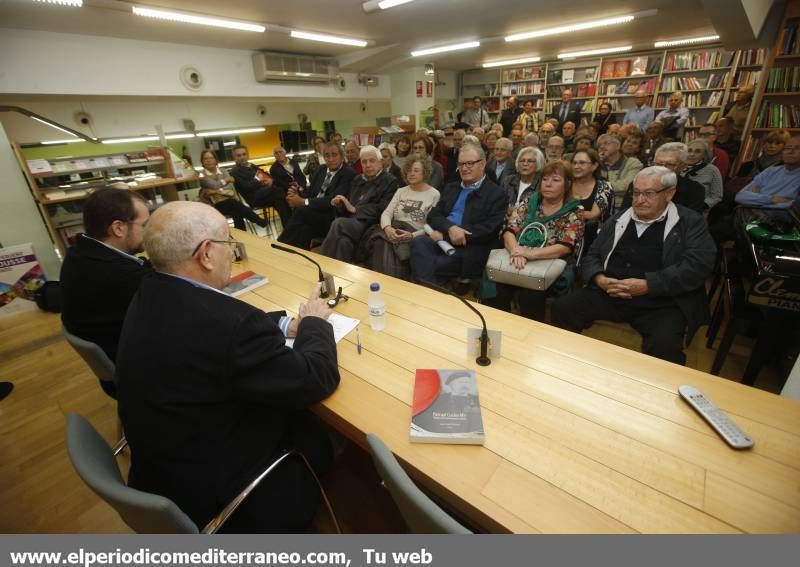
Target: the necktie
(327, 181)
(563, 113)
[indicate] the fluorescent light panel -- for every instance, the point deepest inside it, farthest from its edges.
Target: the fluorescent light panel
(571, 28)
(52, 125)
(512, 62)
(594, 52)
(196, 19)
(72, 3)
(386, 4)
(149, 138)
(229, 132)
(444, 48)
(55, 142)
(328, 38)
(670, 43)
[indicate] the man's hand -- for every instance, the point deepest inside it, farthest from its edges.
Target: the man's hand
(337, 201)
(228, 179)
(622, 289)
(314, 307)
(458, 236)
(436, 236)
(294, 200)
(777, 199)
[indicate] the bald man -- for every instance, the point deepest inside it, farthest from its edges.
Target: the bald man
(208, 391)
(286, 174)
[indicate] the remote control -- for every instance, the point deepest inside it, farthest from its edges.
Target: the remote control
(721, 423)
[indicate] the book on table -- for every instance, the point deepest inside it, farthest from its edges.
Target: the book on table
(446, 407)
(244, 282)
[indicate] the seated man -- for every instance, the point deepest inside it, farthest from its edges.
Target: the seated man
(469, 216)
(647, 267)
(351, 154)
(313, 211)
(778, 186)
(370, 193)
(501, 165)
(617, 168)
(100, 275)
(256, 185)
(209, 393)
(284, 173)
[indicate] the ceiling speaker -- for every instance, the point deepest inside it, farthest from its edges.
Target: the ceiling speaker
(339, 83)
(191, 78)
(83, 118)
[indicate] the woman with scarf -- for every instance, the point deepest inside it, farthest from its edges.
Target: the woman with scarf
(700, 169)
(554, 207)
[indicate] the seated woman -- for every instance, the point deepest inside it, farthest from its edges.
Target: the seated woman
(216, 189)
(388, 245)
(403, 147)
(633, 145)
(553, 206)
(422, 146)
(388, 153)
(595, 194)
(771, 150)
(699, 168)
(489, 140)
(525, 181)
(604, 118)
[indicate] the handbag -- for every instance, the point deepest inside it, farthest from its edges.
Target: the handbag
(537, 274)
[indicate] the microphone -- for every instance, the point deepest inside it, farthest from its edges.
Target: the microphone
(326, 280)
(446, 247)
(482, 359)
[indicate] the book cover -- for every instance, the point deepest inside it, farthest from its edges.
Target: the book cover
(568, 76)
(607, 70)
(20, 274)
(244, 282)
(621, 68)
(446, 407)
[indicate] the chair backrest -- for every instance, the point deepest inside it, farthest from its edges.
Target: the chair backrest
(95, 464)
(791, 388)
(93, 355)
(422, 514)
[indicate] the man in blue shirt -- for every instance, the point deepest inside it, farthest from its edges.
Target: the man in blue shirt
(641, 115)
(469, 216)
(778, 186)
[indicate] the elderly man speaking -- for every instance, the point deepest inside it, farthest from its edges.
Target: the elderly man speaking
(208, 391)
(647, 268)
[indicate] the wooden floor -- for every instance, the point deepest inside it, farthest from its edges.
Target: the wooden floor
(40, 492)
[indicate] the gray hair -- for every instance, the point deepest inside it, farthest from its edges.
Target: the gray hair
(470, 139)
(609, 138)
(701, 142)
(389, 148)
(504, 144)
(552, 138)
(680, 147)
(537, 155)
(666, 176)
(333, 145)
(175, 229)
(367, 150)
(532, 137)
(472, 147)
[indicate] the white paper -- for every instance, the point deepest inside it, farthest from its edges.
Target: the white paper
(342, 326)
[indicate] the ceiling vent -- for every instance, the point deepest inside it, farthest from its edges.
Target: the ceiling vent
(282, 67)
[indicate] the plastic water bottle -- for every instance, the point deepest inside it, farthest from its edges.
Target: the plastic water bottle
(377, 308)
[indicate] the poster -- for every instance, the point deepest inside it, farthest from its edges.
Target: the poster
(419, 89)
(426, 119)
(20, 274)
(429, 89)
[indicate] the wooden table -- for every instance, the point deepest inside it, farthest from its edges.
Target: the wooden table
(581, 436)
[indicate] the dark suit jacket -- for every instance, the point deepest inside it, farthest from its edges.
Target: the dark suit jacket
(573, 114)
(97, 285)
(370, 197)
(452, 175)
(245, 182)
(509, 170)
(282, 178)
(483, 217)
(340, 185)
(207, 389)
(688, 193)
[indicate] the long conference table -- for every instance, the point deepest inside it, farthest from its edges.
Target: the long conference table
(581, 436)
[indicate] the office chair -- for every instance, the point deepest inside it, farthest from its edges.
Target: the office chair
(144, 512)
(422, 514)
(100, 364)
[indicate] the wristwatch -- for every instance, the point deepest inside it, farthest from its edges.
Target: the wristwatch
(306, 202)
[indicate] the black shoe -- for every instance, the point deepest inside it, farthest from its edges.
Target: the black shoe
(5, 389)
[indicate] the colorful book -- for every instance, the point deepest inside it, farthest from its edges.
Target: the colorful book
(20, 274)
(244, 282)
(607, 70)
(446, 407)
(622, 68)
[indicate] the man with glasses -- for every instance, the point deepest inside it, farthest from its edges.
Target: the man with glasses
(689, 193)
(617, 168)
(647, 268)
(209, 393)
(776, 187)
(313, 211)
(501, 165)
(100, 273)
(469, 216)
(708, 132)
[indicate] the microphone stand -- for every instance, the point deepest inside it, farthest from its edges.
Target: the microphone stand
(483, 359)
(326, 280)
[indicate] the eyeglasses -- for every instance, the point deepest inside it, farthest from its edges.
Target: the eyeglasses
(231, 242)
(527, 161)
(468, 164)
(668, 164)
(648, 195)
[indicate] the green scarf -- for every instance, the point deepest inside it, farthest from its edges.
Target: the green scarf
(534, 238)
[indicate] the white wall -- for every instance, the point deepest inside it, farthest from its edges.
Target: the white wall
(404, 92)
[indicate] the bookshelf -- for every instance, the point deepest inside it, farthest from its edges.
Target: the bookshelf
(776, 102)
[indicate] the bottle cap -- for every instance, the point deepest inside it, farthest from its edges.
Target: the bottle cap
(374, 286)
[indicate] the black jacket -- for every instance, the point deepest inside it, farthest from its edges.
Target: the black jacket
(370, 197)
(688, 193)
(510, 185)
(508, 170)
(282, 178)
(207, 388)
(483, 217)
(508, 118)
(340, 185)
(245, 182)
(97, 285)
(573, 114)
(452, 175)
(688, 257)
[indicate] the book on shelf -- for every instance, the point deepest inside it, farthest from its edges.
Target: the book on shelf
(568, 76)
(39, 166)
(554, 76)
(776, 115)
(607, 70)
(639, 66)
(244, 282)
(20, 275)
(746, 78)
(446, 407)
(784, 80)
(698, 61)
(753, 57)
(622, 68)
(788, 42)
(590, 74)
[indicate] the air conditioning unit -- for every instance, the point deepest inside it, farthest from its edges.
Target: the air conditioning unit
(283, 67)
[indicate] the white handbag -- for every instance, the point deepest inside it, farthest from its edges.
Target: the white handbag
(537, 274)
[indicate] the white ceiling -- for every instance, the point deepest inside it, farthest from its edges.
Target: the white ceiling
(392, 33)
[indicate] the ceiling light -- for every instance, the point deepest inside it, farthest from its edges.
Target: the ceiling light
(328, 38)
(230, 132)
(594, 52)
(73, 3)
(130, 140)
(512, 62)
(670, 43)
(52, 125)
(182, 136)
(196, 19)
(444, 48)
(55, 142)
(571, 28)
(375, 5)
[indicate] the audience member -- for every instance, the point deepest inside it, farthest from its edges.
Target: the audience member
(648, 268)
(256, 185)
(100, 274)
(595, 193)
(776, 187)
(674, 117)
(618, 169)
(362, 208)
(489, 141)
(545, 132)
(313, 210)
(216, 189)
(555, 207)
(422, 146)
(614, 129)
(351, 155)
(708, 132)
(476, 116)
(525, 180)
(388, 153)
(337, 138)
(581, 143)
(517, 135)
(739, 108)
(317, 158)
(554, 150)
(641, 114)
(726, 138)
(568, 133)
(605, 118)
(403, 147)
(469, 216)
(531, 140)
(771, 151)
(655, 139)
(633, 145)
(510, 115)
(529, 119)
(204, 412)
(452, 155)
(569, 110)
(501, 165)
(440, 150)
(284, 173)
(700, 169)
